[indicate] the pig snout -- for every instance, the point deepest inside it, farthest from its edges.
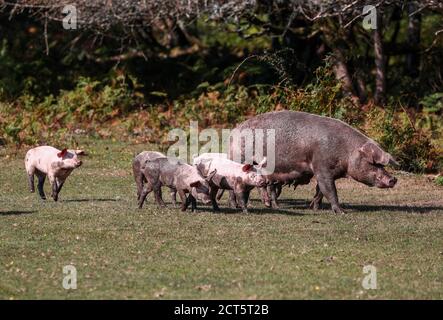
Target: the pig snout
(202, 196)
(392, 181)
(387, 182)
(71, 163)
(257, 179)
(262, 182)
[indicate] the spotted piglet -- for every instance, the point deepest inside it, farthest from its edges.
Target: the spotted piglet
(56, 164)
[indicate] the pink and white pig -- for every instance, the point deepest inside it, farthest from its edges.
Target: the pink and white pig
(56, 164)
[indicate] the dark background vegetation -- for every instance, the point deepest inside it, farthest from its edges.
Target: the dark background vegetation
(135, 69)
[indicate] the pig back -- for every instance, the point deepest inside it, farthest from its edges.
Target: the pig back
(301, 138)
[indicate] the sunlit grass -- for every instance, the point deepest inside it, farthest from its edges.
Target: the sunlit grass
(122, 252)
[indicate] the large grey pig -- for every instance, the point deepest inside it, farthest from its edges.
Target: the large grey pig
(56, 164)
(140, 180)
(308, 145)
(177, 175)
(240, 178)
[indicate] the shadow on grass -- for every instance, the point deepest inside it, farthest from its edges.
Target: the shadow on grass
(303, 204)
(405, 208)
(228, 210)
(90, 200)
(16, 212)
(287, 207)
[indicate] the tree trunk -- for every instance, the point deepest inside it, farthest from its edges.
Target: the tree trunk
(414, 28)
(341, 71)
(380, 63)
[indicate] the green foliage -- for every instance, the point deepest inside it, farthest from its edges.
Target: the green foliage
(396, 132)
(109, 110)
(89, 104)
(439, 181)
(432, 114)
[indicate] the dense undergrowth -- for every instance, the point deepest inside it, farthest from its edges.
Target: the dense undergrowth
(117, 109)
(222, 80)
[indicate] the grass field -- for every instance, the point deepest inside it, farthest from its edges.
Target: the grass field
(122, 252)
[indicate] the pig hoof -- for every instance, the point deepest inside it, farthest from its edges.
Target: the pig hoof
(275, 206)
(338, 210)
(314, 206)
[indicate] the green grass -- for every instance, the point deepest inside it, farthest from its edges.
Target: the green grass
(122, 252)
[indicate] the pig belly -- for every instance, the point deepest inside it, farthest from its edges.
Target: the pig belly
(293, 177)
(170, 181)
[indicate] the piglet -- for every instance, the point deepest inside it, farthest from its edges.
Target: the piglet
(237, 177)
(56, 164)
(176, 175)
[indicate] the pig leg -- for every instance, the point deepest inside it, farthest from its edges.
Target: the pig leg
(278, 188)
(59, 185)
(138, 177)
(146, 189)
(41, 181)
(193, 202)
(158, 196)
(242, 200)
(213, 194)
(141, 180)
(54, 188)
(247, 202)
(53, 183)
(190, 200)
(232, 199)
(220, 194)
(183, 199)
(327, 187)
(31, 182)
(274, 203)
(318, 197)
(265, 197)
(173, 193)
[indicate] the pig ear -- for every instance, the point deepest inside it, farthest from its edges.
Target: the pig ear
(62, 153)
(392, 161)
(263, 162)
(375, 154)
(195, 184)
(80, 152)
(247, 167)
(211, 175)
